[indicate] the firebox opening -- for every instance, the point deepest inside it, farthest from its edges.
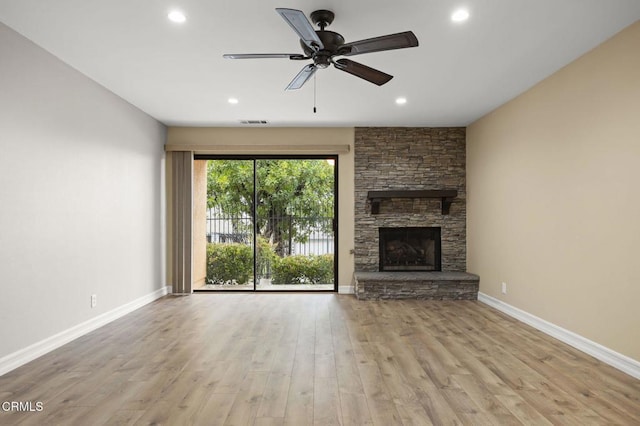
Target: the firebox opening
(410, 249)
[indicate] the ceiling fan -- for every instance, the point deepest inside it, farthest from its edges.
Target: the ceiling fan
(323, 46)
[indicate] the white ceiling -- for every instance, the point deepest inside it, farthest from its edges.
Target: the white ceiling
(176, 73)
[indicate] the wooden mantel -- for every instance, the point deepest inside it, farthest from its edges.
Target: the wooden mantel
(446, 197)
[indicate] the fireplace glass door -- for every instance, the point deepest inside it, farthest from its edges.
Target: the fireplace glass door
(410, 249)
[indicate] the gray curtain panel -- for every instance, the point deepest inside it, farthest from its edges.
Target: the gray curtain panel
(182, 236)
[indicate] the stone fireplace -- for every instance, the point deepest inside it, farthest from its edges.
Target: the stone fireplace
(409, 248)
(410, 182)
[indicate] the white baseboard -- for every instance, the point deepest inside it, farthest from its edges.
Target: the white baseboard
(23, 356)
(346, 289)
(596, 350)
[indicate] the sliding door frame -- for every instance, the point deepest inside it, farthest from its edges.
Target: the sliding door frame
(255, 158)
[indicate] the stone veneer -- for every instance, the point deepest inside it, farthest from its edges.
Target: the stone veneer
(416, 285)
(410, 159)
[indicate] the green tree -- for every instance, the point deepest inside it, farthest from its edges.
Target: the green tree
(286, 189)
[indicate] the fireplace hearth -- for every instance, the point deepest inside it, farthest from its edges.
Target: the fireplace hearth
(410, 249)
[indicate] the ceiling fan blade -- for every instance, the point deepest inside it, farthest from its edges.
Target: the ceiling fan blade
(367, 73)
(295, 56)
(302, 27)
(378, 44)
(302, 77)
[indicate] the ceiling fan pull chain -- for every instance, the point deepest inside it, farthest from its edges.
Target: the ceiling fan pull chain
(314, 93)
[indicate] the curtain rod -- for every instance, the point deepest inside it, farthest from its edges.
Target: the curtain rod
(260, 149)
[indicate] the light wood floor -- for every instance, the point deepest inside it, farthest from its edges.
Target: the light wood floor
(322, 359)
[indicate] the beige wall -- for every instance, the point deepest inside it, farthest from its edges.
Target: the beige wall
(554, 200)
(286, 141)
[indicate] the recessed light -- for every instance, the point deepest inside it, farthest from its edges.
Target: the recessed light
(233, 101)
(176, 16)
(401, 101)
(460, 15)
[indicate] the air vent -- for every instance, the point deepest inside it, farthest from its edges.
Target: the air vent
(254, 122)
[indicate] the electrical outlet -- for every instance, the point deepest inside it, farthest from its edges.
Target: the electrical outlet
(504, 288)
(94, 300)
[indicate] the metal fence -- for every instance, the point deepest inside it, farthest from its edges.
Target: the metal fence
(301, 235)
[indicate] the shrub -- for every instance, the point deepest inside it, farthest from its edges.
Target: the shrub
(229, 262)
(301, 269)
(266, 256)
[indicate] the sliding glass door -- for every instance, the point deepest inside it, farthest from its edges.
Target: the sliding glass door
(270, 223)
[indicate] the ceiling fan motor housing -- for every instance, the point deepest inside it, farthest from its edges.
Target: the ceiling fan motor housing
(331, 41)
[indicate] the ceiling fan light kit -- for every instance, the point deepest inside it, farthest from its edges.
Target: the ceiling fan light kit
(323, 46)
